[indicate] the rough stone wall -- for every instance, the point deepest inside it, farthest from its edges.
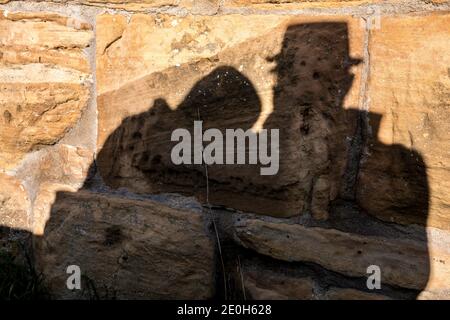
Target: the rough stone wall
(90, 92)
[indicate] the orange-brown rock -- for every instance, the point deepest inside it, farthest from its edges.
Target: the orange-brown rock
(45, 80)
(65, 164)
(403, 262)
(141, 5)
(436, 295)
(282, 287)
(126, 248)
(130, 4)
(404, 174)
(42, 205)
(296, 4)
(269, 285)
(298, 75)
(15, 205)
(195, 6)
(317, 4)
(58, 168)
(280, 281)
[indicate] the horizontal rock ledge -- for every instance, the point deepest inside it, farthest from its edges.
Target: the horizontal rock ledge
(403, 262)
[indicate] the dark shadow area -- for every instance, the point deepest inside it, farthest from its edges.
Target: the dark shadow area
(19, 280)
(324, 170)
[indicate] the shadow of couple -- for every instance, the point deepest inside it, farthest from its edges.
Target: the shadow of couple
(323, 147)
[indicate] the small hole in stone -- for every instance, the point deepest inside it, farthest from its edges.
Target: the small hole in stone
(137, 135)
(8, 116)
(156, 160)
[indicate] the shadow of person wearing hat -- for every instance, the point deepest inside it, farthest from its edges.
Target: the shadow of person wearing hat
(333, 168)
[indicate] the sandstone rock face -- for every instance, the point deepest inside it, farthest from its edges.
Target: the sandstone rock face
(404, 262)
(363, 121)
(66, 164)
(316, 4)
(302, 289)
(137, 5)
(269, 281)
(440, 295)
(409, 90)
(42, 206)
(129, 4)
(296, 4)
(57, 168)
(127, 248)
(277, 287)
(62, 163)
(44, 76)
(263, 284)
(176, 70)
(179, 41)
(203, 6)
(15, 206)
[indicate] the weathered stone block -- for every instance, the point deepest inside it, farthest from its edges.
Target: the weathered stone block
(15, 205)
(281, 281)
(264, 284)
(42, 205)
(65, 164)
(404, 173)
(126, 248)
(404, 262)
(45, 80)
(205, 7)
(296, 4)
(319, 4)
(130, 4)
